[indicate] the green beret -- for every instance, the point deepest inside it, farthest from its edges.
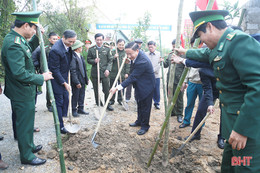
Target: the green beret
(106, 44)
(29, 17)
(77, 44)
(200, 17)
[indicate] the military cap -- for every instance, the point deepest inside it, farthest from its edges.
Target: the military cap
(200, 17)
(138, 40)
(77, 44)
(29, 17)
(112, 43)
(88, 41)
(106, 44)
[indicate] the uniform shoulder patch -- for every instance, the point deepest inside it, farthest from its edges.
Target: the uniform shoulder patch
(230, 36)
(17, 40)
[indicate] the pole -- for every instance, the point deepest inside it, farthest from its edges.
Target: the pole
(51, 95)
(177, 91)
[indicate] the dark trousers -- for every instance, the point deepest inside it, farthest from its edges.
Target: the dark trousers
(13, 123)
(48, 100)
(178, 107)
(251, 150)
(78, 96)
(62, 103)
(24, 124)
(119, 96)
(156, 94)
(105, 89)
(128, 92)
(144, 111)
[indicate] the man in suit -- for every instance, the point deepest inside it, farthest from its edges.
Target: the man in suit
(79, 79)
(234, 56)
(21, 81)
(59, 64)
(36, 56)
(105, 61)
(143, 80)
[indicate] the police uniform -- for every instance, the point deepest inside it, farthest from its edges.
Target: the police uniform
(105, 63)
(20, 83)
(236, 65)
(114, 71)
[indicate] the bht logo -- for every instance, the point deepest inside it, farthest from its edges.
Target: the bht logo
(237, 161)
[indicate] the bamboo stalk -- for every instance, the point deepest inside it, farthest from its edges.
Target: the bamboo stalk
(52, 99)
(177, 91)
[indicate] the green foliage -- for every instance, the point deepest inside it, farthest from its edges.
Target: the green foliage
(140, 30)
(6, 20)
(75, 18)
(234, 10)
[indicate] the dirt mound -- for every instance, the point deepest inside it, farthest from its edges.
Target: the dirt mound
(122, 150)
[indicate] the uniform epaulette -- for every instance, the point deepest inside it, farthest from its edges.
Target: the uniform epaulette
(17, 40)
(92, 46)
(230, 36)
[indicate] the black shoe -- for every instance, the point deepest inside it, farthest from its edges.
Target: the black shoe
(36, 161)
(134, 124)
(37, 148)
(221, 143)
(112, 102)
(50, 109)
(75, 114)
(193, 138)
(179, 118)
(83, 112)
(141, 132)
(110, 108)
(120, 102)
(157, 106)
(63, 130)
(183, 125)
(1, 138)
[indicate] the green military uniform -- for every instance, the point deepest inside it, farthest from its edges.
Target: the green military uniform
(236, 65)
(114, 71)
(105, 63)
(88, 66)
(20, 87)
(178, 107)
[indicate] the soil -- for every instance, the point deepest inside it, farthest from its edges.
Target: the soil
(122, 150)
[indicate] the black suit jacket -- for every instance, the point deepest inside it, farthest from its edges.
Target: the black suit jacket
(76, 73)
(142, 77)
(59, 64)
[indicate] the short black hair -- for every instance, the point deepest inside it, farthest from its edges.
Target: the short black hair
(219, 24)
(19, 23)
(120, 40)
(132, 45)
(52, 34)
(99, 35)
(69, 34)
(151, 43)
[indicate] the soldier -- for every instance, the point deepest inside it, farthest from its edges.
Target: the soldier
(21, 81)
(234, 56)
(178, 107)
(125, 72)
(105, 61)
(112, 45)
(85, 55)
(36, 56)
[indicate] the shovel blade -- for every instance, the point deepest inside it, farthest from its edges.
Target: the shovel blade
(94, 144)
(175, 151)
(72, 128)
(125, 105)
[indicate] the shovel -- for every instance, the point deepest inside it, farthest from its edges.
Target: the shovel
(175, 152)
(72, 128)
(125, 105)
(95, 145)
